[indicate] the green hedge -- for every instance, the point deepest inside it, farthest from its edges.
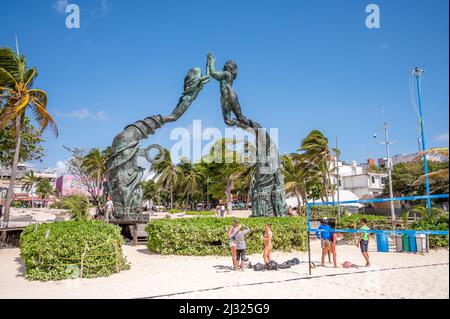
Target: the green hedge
(207, 235)
(373, 221)
(200, 213)
(434, 223)
(53, 251)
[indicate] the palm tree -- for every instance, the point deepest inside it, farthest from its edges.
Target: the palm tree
(436, 176)
(29, 182)
(167, 175)
(44, 189)
(16, 80)
(95, 165)
(191, 180)
(316, 155)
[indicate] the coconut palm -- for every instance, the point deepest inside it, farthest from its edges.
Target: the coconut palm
(17, 96)
(29, 182)
(167, 175)
(190, 181)
(44, 189)
(94, 163)
(317, 155)
(436, 177)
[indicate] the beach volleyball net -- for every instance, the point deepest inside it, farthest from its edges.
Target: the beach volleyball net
(398, 228)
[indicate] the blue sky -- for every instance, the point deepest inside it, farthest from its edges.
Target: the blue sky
(303, 65)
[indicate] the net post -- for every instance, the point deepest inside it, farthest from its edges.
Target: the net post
(307, 234)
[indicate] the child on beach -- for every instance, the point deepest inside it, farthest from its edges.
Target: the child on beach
(363, 241)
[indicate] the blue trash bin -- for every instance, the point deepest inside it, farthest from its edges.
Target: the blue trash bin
(412, 243)
(382, 243)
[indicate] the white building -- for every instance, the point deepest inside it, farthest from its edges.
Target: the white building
(358, 180)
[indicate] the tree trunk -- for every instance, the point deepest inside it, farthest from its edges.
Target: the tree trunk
(187, 202)
(331, 186)
(228, 193)
(299, 202)
(12, 181)
(171, 199)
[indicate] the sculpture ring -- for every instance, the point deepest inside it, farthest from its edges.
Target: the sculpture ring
(159, 157)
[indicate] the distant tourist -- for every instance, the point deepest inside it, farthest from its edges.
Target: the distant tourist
(240, 245)
(324, 234)
(363, 241)
(222, 210)
(109, 208)
(267, 244)
(232, 241)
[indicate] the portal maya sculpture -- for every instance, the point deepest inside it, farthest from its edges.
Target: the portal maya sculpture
(124, 173)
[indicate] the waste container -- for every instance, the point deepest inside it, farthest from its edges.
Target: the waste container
(422, 243)
(405, 242)
(412, 243)
(398, 243)
(382, 243)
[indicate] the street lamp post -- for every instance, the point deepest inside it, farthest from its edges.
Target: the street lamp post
(417, 72)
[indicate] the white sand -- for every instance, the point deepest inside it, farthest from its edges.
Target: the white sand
(393, 275)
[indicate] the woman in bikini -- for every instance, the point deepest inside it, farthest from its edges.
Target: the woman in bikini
(267, 243)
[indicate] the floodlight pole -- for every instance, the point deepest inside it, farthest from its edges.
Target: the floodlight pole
(417, 72)
(387, 142)
(389, 163)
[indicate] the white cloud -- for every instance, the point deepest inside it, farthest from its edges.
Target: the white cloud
(61, 168)
(60, 6)
(442, 138)
(83, 114)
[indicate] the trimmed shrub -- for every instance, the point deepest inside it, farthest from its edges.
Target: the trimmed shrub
(434, 223)
(373, 221)
(207, 235)
(72, 249)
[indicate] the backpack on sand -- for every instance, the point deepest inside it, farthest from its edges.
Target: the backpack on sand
(259, 267)
(272, 265)
(284, 265)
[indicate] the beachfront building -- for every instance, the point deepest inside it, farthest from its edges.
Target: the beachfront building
(361, 180)
(67, 185)
(21, 193)
(405, 158)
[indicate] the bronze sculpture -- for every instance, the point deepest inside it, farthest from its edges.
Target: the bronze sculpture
(268, 183)
(124, 173)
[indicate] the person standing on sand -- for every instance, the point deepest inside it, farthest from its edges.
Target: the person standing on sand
(232, 241)
(267, 244)
(109, 208)
(324, 234)
(363, 241)
(240, 245)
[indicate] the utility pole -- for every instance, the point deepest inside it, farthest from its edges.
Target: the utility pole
(387, 142)
(417, 72)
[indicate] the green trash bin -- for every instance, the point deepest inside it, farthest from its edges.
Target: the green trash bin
(405, 242)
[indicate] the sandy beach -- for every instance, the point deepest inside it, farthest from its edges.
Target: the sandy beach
(392, 275)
